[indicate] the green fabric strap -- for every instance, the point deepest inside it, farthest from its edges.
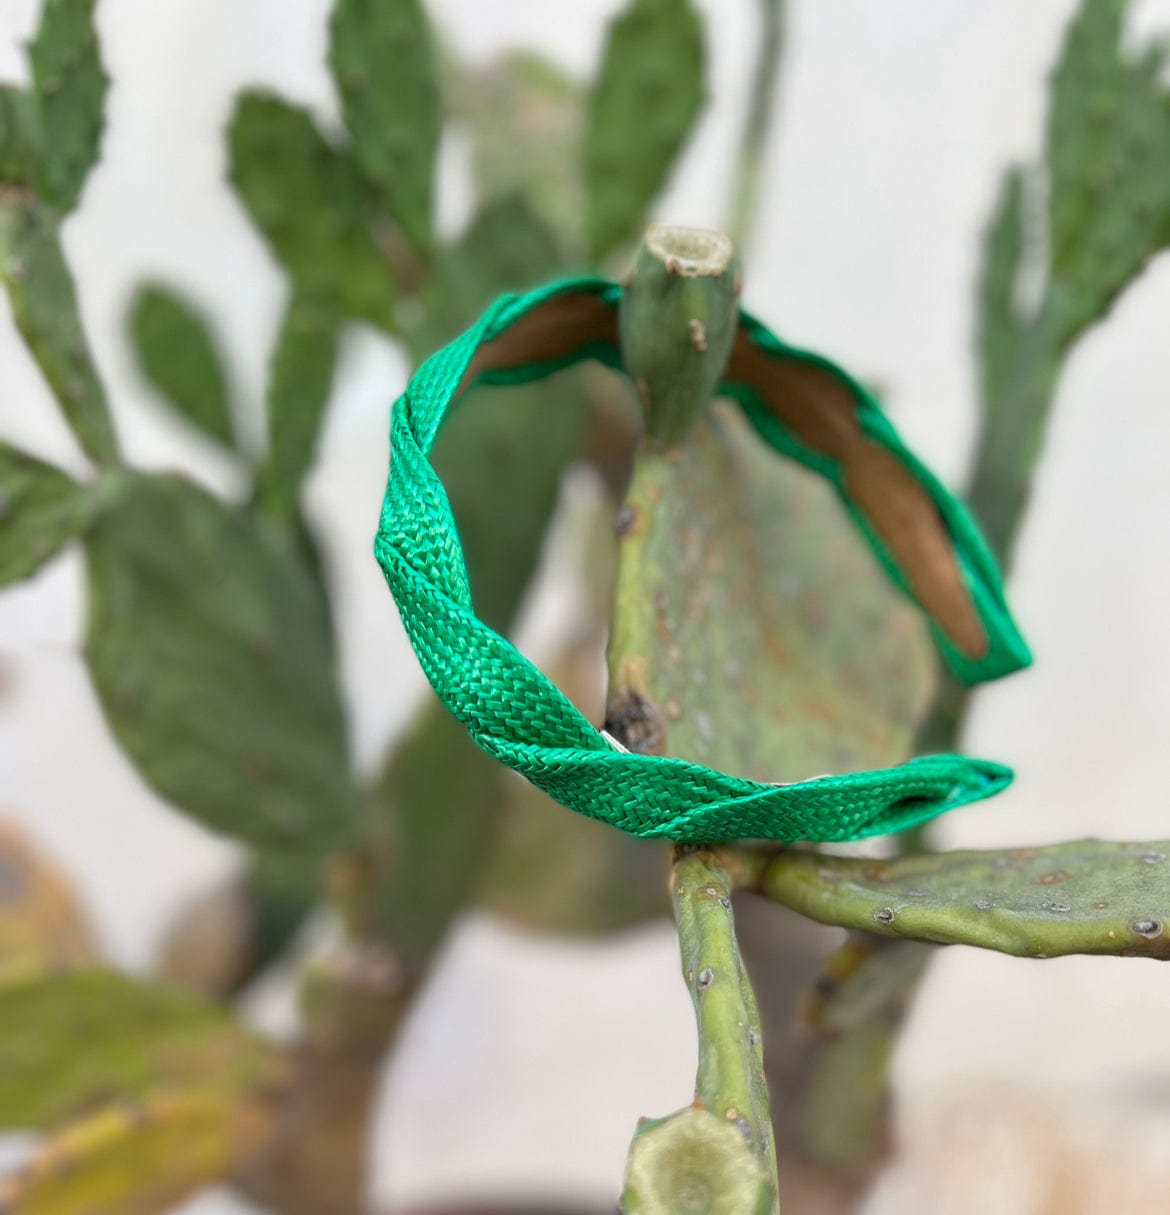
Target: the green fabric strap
(518, 716)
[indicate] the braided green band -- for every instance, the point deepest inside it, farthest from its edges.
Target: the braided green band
(805, 408)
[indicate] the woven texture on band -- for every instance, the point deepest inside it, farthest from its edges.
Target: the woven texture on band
(515, 713)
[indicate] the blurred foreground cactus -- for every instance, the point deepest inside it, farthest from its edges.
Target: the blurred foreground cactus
(210, 638)
(209, 633)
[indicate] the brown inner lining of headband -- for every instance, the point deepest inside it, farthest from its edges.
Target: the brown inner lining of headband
(820, 411)
(550, 331)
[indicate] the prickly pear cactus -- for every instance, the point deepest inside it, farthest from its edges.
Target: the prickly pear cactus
(210, 639)
(643, 104)
(41, 510)
(67, 1048)
(44, 306)
(143, 1095)
(1108, 139)
(213, 660)
(382, 60)
(209, 635)
(300, 375)
(1107, 215)
(180, 358)
(309, 200)
(68, 94)
(17, 152)
(999, 308)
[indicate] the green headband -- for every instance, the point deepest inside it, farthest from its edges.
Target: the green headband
(805, 408)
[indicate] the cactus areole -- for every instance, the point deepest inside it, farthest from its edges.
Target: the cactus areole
(803, 407)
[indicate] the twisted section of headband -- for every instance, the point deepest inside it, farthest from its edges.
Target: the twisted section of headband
(805, 408)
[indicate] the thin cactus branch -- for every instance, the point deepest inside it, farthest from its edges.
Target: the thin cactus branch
(1107, 215)
(678, 319)
(677, 322)
(745, 195)
(731, 1060)
(40, 288)
(718, 1154)
(1085, 897)
(1106, 207)
(315, 1163)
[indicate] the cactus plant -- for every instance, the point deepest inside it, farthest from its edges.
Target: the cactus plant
(44, 306)
(41, 510)
(210, 640)
(180, 359)
(382, 60)
(66, 101)
(1107, 214)
(209, 631)
(651, 67)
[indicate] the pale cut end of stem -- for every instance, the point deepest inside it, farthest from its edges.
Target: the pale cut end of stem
(694, 1163)
(690, 252)
(677, 322)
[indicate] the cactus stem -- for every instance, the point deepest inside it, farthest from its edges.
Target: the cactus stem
(678, 317)
(719, 1154)
(746, 187)
(677, 320)
(1114, 897)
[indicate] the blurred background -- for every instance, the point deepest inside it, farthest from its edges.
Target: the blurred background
(527, 1058)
